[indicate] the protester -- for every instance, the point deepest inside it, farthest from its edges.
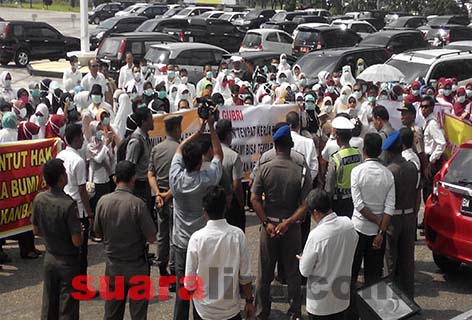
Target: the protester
(126, 71)
(98, 103)
(55, 219)
(27, 130)
(72, 75)
(332, 234)
(122, 219)
(188, 185)
(9, 131)
(219, 246)
(6, 91)
(93, 77)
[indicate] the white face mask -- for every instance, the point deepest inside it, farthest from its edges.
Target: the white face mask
(343, 98)
(41, 120)
(468, 92)
(137, 76)
(454, 88)
(460, 99)
(357, 94)
(99, 135)
(21, 112)
(184, 80)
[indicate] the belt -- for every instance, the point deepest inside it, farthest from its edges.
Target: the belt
(404, 211)
(279, 220)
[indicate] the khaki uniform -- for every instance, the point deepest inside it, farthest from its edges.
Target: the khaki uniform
(56, 216)
(125, 224)
(285, 184)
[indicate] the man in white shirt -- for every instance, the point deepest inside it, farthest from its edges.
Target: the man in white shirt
(126, 71)
(94, 77)
(72, 75)
(216, 254)
(136, 84)
(76, 180)
(333, 234)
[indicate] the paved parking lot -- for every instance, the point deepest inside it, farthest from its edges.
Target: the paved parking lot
(440, 296)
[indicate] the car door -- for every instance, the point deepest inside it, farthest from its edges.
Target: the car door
(402, 43)
(285, 43)
(272, 42)
(53, 42)
(193, 60)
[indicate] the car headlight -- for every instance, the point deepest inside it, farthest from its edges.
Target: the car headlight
(100, 35)
(91, 13)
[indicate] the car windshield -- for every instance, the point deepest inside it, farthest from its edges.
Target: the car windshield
(459, 168)
(252, 40)
(140, 10)
(133, 10)
(130, 8)
(226, 16)
(109, 47)
(306, 37)
(185, 12)
(279, 16)
(411, 70)
(158, 55)
(173, 11)
(376, 39)
(147, 26)
(397, 23)
(107, 24)
(253, 14)
(100, 6)
(311, 65)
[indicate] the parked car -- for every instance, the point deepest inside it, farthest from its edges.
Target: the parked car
(190, 12)
(448, 212)
(443, 20)
(460, 45)
(432, 64)
(334, 59)
(324, 37)
(104, 11)
(407, 22)
(231, 16)
(310, 19)
(396, 41)
(287, 26)
(211, 14)
(318, 12)
(441, 35)
(114, 25)
(288, 16)
(267, 40)
(113, 49)
(172, 26)
(24, 41)
(173, 10)
(191, 56)
(150, 11)
(131, 9)
(259, 58)
(254, 19)
(363, 28)
(392, 16)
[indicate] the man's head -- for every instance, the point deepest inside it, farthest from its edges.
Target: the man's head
(125, 174)
(129, 59)
(214, 203)
(427, 106)
(207, 149)
(74, 62)
(137, 73)
(192, 155)
(372, 145)
(93, 67)
(74, 136)
(380, 116)
(393, 145)
(144, 119)
(407, 137)
(293, 120)
(319, 204)
(283, 140)
(173, 126)
(408, 114)
(224, 129)
(55, 173)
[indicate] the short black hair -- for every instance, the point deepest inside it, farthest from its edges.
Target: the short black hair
(293, 119)
(142, 114)
(344, 135)
(205, 142)
(192, 155)
(224, 128)
(319, 200)
(373, 145)
(407, 137)
(125, 171)
(171, 126)
(429, 99)
(214, 202)
(380, 112)
(356, 132)
(96, 89)
(217, 98)
(52, 171)
(235, 89)
(73, 130)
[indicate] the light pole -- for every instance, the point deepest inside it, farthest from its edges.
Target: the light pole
(84, 34)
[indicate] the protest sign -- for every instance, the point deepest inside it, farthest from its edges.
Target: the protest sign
(21, 179)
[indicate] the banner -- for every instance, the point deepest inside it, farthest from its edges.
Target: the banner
(457, 132)
(252, 128)
(21, 179)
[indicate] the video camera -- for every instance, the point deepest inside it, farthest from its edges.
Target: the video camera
(206, 107)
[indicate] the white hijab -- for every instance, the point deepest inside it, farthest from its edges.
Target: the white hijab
(125, 108)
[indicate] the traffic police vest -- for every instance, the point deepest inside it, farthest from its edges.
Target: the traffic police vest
(345, 160)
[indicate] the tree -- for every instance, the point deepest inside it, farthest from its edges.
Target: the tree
(442, 7)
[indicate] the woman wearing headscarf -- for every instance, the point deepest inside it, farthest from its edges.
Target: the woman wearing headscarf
(323, 76)
(82, 100)
(20, 110)
(183, 93)
(96, 95)
(116, 95)
(346, 77)
(33, 88)
(56, 126)
(296, 71)
(341, 104)
(360, 66)
(223, 84)
(283, 64)
(327, 106)
(149, 94)
(104, 118)
(353, 106)
(5, 87)
(283, 94)
(9, 131)
(27, 130)
(86, 118)
(124, 109)
(159, 104)
(40, 118)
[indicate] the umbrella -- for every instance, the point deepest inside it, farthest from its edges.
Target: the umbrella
(381, 73)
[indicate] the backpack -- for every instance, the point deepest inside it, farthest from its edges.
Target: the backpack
(123, 146)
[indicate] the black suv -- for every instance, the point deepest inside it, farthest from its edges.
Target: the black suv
(396, 41)
(167, 25)
(407, 22)
(151, 11)
(103, 12)
(114, 25)
(334, 59)
(442, 20)
(325, 37)
(23, 41)
(254, 19)
(113, 49)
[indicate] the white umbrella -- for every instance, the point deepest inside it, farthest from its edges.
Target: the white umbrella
(381, 73)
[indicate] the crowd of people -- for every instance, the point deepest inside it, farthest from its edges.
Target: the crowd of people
(337, 161)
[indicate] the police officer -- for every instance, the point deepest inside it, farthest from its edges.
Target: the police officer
(285, 184)
(56, 219)
(158, 176)
(124, 223)
(341, 163)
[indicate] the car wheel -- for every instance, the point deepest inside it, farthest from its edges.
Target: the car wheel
(446, 264)
(22, 58)
(96, 20)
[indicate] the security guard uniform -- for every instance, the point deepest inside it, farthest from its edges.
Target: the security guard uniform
(338, 176)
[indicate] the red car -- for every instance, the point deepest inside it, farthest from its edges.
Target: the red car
(448, 212)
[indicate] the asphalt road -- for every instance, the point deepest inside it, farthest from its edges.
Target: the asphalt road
(440, 296)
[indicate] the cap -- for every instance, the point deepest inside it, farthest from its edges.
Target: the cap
(390, 141)
(309, 97)
(282, 132)
(342, 123)
(173, 118)
(415, 84)
(461, 91)
(407, 107)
